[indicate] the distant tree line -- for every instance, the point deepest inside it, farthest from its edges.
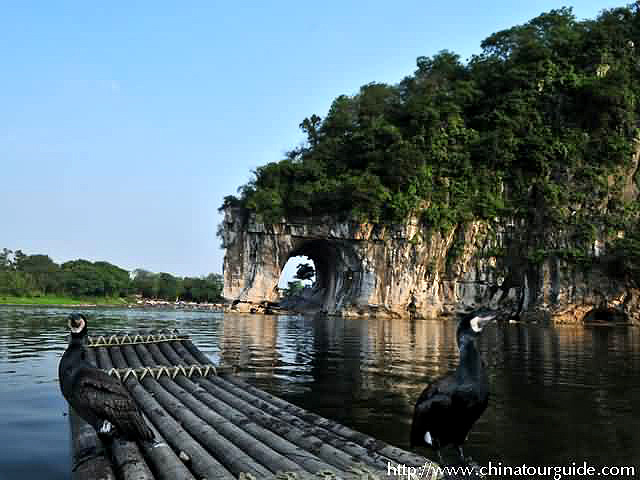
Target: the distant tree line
(25, 275)
(168, 287)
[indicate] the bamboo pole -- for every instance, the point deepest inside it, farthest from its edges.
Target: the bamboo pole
(264, 454)
(127, 458)
(369, 443)
(201, 463)
(104, 362)
(129, 461)
(279, 421)
(265, 446)
(294, 452)
(91, 356)
(193, 350)
(395, 454)
(88, 454)
(333, 456)
(173, 355)
(358, 452)
(228, 454)
(165, 463)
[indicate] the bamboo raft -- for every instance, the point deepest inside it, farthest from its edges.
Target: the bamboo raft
(209, 424)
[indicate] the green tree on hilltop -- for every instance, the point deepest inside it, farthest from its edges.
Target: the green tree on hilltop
(537, 128)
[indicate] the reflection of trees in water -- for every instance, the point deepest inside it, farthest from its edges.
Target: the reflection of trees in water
(403, 356)
(31, 331)
(557, 393)
(249, 341)
(23, 337)
(402, 350)
(566, 387)
(360, 364)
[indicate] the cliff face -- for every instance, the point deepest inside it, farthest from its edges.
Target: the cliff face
(394, 270)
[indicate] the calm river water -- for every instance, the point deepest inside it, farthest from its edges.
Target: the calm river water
(559, 394)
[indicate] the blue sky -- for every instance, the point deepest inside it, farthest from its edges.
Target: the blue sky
(123, 125)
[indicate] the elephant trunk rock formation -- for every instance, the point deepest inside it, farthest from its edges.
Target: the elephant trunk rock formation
(397, 270)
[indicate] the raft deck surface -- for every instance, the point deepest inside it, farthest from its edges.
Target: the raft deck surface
(212, 425)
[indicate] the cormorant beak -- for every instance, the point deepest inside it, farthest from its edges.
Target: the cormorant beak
(480, 321)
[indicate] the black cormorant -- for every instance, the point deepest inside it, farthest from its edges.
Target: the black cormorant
(102, 400)
(447, 409)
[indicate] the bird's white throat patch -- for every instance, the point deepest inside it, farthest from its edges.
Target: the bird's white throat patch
(427, 438)
(77, 329)
(477, 323)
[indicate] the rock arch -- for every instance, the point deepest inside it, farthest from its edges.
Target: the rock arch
(257, 253)
(338, 270)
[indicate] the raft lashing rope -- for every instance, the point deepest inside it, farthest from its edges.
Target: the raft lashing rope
(209, 424)
(126, 339)
(157, 372)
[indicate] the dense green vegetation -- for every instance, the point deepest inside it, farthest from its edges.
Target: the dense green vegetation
(623, 261)
(168, 287)
(39, 278)
(539, 128)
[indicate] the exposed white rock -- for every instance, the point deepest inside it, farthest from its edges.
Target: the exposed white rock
(382, 269)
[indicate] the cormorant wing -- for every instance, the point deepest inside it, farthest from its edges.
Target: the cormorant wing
(444, 387)
(432, 403)
(468, 396)
(106, 398)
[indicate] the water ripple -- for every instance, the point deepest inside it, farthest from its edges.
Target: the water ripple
(558, 394)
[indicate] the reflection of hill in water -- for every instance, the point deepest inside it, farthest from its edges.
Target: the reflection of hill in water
(559, 394)
(249, 341)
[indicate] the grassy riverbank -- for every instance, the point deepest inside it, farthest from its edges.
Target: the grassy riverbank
(57, 300)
